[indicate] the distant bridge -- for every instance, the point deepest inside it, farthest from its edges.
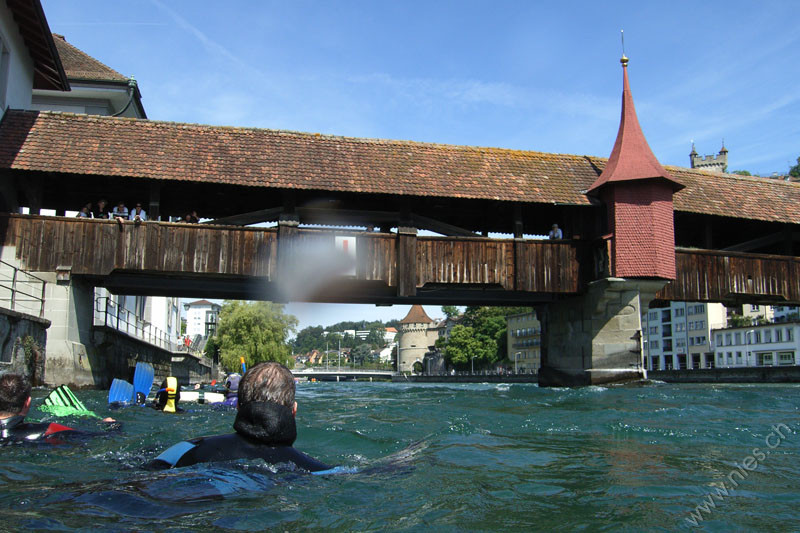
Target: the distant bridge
(343, 374)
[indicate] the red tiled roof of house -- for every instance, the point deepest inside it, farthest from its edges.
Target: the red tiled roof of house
(416, 315)
(107, 146)
(79, 65)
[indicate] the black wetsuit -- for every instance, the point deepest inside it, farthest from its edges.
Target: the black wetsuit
(15, 429)
(264, 430)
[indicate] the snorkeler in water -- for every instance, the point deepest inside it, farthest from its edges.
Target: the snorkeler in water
(15, 402)
(265, 427)
(167, 396)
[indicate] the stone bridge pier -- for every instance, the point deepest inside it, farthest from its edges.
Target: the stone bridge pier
(595, 338)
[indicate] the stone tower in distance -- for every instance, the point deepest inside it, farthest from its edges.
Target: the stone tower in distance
(716, 163)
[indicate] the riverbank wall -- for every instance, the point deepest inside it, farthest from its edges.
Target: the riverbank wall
(761, 374)
(22, 341)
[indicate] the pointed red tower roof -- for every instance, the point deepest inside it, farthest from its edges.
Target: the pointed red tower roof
(416, 315)
(631, 159)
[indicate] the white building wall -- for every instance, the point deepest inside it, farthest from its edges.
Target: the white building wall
(16, 65)
(679, 336)
(768, 345)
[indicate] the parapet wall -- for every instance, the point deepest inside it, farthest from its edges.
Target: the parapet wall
(22, 344)
(762, 374)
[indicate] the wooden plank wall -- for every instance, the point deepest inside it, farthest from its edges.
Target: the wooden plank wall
(714, 276)
(98, 247)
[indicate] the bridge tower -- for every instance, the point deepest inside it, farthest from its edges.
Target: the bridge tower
(595, 338)
(415, 337)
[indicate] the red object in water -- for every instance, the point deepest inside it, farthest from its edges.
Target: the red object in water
(213, 382)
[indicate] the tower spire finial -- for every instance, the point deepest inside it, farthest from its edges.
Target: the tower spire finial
(623, 59)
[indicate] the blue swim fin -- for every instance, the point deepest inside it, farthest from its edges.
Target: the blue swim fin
(143, 381)
(120, 392)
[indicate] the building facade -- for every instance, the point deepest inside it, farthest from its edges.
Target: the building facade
(679, 336)
(201, 318)
(524, 340)
(776, 344)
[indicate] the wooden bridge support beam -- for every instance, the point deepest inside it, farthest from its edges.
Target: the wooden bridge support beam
(595, 338)
(406, 261)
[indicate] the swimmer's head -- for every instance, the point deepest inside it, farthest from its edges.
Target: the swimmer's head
(15, 391)
(267, 382)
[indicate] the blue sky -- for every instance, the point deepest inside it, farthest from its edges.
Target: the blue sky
(528, 75)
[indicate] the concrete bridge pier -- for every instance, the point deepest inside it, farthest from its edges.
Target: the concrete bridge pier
(69, 305)
(595, 338)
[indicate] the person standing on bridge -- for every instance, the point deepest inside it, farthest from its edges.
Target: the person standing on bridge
(120, 212)
(138, 214)
(555, 233)
(265, 427)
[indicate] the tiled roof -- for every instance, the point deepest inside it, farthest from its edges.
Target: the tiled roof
(107, 146)
(78, 65)
(416, 315)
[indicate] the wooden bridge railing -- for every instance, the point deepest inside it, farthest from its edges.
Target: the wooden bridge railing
(389, 265)
(403, 262)
(716, 276)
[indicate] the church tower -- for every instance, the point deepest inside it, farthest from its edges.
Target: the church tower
(637, 191)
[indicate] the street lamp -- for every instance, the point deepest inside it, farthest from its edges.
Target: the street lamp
(472, 361)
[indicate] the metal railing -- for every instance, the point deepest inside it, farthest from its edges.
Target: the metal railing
(20, 290)
(109, 313)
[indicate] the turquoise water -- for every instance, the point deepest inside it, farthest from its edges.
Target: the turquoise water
(436, 457)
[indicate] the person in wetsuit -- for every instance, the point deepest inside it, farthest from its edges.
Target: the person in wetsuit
(265, 427)
(15, 402)
(232, 390)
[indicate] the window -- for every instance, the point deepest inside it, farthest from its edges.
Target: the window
(753, 308)
(654, 345)
(730, 358)
(680, 326)
(764, 358)
(738, 357)
(778, 335)
(679, 311)
(720, 359)
(653, 330)
(653, 315)
(737, 337)
(767, 335)
(785, 358)
(727, 339)
(700, 324)
(701, 339)
(756, 337)
(666, 331)
(667, 345)
(665, 315)
(789, 334)
(680, 343)
(719, 339)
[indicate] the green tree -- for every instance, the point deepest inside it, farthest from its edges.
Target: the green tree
(795, 170)
(742, 172)
(310, 338)
(739, 321)
(257, 331)
(376, 337)
(450, 311)
(465, 344)
(361, 354)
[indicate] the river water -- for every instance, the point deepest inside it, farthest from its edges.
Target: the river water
(438, 457)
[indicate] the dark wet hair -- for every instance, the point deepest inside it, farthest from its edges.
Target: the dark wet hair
(14, 392)
(267, 382)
